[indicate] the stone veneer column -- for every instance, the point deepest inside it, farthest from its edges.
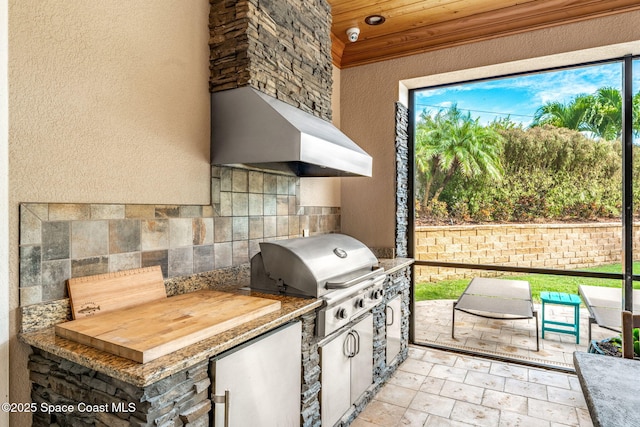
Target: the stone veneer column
(402, 180)
(282, 48)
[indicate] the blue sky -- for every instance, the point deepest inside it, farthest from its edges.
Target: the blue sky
(519, 97)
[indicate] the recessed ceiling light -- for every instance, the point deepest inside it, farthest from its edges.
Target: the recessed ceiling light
(374, 19)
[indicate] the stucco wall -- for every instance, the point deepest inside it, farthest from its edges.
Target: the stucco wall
(109, 103)
(369, 91)
(4, 212)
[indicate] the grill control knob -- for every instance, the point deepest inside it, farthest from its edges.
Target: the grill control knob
(377, 294)
(341, 313)
(359, 303)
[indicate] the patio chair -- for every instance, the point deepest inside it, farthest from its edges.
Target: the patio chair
(605, 306)
(500, 299)
(629, 322)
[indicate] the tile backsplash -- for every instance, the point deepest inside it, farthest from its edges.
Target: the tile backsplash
(60, 241)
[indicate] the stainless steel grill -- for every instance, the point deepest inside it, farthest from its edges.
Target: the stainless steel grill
(334, 267)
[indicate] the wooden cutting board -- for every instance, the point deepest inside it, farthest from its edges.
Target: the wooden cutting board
(147, 331)
(92, 295)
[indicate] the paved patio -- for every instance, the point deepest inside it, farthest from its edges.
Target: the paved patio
(439, 388)
(506, 338)
(447, 388)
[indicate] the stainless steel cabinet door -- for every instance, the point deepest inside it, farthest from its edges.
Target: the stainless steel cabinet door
(362, 361)
(262, 379)
(335, 377)
(394, 328)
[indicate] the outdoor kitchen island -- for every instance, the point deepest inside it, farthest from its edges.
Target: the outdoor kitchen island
(176, 389)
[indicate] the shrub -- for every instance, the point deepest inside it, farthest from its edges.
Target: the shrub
(549, 173)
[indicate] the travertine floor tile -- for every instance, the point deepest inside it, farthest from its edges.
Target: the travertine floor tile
(525, 388)
(434, 421)
(566, 397)
(448, 373)
(382, 413)
(433, 404)
(512, 419)
(472, 364)
(480, 379)
(475, 414)
(407, 379)
(464, 392)
(396, 395)
(438, 388)
(511, 371)
(553, 412)
(416, 366)
(505, 401)
(413, 418)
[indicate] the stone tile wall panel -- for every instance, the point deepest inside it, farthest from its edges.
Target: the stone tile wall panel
(61, 241)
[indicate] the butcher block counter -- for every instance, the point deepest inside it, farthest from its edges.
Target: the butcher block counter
(143, 374)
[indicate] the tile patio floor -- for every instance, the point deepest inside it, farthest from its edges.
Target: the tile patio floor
(439, 388)
(444, 388)
(507, 338)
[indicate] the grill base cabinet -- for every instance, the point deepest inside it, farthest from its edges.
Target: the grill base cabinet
(258, 383)
(346, 361)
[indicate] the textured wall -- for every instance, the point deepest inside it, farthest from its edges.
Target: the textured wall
(561, 246)
(4, 213)
(368, 94)
(109, 103)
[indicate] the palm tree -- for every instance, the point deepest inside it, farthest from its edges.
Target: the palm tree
(605, 116)
(599, 114)
(573, 115)
(451, 142)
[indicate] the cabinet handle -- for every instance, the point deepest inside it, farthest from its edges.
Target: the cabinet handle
(225, 401)
(393, 315)
(356, 337)
(346, 350)
(349, 346)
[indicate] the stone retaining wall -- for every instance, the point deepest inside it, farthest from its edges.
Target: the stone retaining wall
(558, 246)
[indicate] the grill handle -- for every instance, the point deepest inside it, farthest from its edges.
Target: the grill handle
(341, 285)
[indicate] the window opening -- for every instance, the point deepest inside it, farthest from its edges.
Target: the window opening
(522, 176)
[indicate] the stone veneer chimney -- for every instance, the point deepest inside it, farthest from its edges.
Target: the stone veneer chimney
(280, 47)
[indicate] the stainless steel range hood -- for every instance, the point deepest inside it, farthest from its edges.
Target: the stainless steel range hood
(254, 129)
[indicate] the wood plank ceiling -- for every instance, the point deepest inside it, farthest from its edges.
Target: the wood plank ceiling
(416, 26)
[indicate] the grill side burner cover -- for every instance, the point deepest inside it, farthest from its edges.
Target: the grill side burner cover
(304, 266)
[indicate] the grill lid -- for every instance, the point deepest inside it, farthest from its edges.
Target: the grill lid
(311, 266)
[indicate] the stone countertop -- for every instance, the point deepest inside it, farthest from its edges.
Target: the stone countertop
(391, 265)
(611, 388)
(142, 375)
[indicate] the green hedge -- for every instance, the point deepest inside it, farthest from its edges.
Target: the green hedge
(549, 174)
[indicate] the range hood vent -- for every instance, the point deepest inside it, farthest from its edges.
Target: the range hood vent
(257, 130)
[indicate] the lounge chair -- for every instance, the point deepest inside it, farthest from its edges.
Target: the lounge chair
(605, 306)
(497, 299)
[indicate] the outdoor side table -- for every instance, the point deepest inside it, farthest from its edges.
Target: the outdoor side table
(561, 298)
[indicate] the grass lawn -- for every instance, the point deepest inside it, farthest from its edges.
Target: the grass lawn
(452, 289)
